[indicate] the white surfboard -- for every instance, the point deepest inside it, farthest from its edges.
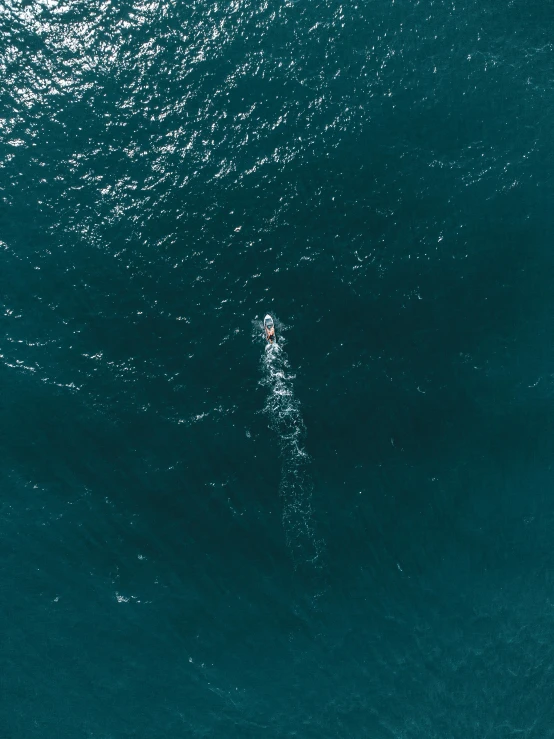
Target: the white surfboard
(269, 328)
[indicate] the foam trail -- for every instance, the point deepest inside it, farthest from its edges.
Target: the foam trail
(285, 418)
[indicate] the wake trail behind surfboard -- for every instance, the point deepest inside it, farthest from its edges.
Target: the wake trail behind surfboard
(296, 485)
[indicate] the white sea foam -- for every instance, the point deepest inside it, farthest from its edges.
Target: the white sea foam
(296, 485)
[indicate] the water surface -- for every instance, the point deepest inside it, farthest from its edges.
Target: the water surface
(347, 536)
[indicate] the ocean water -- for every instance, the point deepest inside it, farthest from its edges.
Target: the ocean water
(348, 534)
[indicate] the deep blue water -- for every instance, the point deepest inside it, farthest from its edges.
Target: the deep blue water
(349, 535)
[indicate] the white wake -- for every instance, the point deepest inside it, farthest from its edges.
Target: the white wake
(296, 485)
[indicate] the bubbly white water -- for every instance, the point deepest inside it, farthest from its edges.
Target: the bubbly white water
(296, 486)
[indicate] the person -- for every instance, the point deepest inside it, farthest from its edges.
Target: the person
(269, 329)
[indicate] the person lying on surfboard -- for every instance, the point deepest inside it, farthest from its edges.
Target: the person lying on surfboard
(269, 329)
